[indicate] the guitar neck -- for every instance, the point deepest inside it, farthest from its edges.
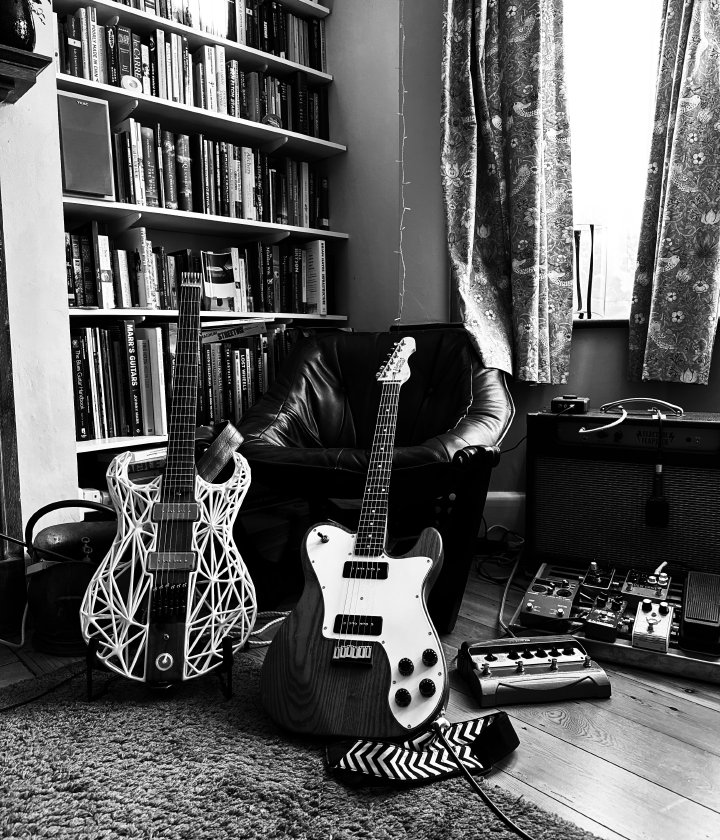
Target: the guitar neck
(372, 529)
(179, 478)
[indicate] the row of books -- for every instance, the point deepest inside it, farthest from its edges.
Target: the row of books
(265, 25)
(162, 66)
(129, 271)
(122, 374)
(158, 168)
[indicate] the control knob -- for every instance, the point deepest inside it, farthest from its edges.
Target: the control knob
(405, 666)
(429, 657)
(402, 697)
(427, 688)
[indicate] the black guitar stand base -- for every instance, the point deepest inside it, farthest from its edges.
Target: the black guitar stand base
(224, 669)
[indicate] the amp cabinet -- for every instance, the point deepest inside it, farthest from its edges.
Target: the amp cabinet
(588, 492)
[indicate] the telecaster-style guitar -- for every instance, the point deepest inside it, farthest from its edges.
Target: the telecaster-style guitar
(173, 585)
(359, 656)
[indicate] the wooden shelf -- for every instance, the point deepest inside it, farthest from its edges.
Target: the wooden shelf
(18, 71)
(251, 59)
(234, 317)
(158, 218)
(176, 116)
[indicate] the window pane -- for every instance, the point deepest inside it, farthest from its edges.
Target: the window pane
(611, 51)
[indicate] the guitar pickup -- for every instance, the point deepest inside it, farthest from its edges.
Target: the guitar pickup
(365, 569)
(358, 625)
(171, 561)
(175, 512)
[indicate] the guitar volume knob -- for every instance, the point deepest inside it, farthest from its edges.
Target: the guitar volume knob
(427, 688)
(406, 666)
(429, 657)
(402, 697)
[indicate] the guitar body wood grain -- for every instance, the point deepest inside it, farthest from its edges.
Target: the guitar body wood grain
(311, 683)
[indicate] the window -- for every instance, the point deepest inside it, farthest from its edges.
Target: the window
(611, 53)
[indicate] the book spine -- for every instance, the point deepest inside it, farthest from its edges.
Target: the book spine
(124, 51)
(78, 351)
(183, 171)
(149, 167)
(146, 386)
(134, 391)
(136, 47)
(106, 287)
(160, 63)
(74, 46)
(169, 167)
(221, 79)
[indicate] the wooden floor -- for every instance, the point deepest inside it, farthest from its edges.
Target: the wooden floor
(643, 764)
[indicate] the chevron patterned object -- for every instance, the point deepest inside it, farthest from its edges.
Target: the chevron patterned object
(478, 744)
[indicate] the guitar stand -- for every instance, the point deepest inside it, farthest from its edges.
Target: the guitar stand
(227, 666)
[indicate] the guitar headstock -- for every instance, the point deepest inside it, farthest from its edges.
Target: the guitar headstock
(396, 368)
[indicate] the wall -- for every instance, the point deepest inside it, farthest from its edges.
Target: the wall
(364, 108)
(37, 298)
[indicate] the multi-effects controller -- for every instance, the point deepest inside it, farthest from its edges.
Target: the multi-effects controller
(530, 670)
(612, 611)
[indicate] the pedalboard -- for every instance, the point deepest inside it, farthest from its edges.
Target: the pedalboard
(530, 670)
(548, 603)
(628, 616)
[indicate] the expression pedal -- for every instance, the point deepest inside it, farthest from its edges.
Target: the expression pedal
(541, 669)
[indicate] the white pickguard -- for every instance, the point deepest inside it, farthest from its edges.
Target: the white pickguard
(221, 596)
(406, 630)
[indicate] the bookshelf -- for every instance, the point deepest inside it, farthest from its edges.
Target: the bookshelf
(193, 229)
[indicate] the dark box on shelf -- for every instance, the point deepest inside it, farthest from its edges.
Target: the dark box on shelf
(85, 146)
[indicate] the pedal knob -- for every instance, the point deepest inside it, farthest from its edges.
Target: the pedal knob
(427, 688)
(164, 662)
(664, 608)
(402, 697)
(429, 657)
(406, 666)
(646, 605)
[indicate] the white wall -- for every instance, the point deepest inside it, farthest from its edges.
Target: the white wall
(30, 181)
(364, 51)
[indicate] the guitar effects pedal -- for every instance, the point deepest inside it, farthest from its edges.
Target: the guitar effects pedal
(641, 585)
(548, 602)
(530, 670)
(604, 618)
(653, 622)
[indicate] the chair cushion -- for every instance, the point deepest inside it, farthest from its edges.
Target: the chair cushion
(321, 412)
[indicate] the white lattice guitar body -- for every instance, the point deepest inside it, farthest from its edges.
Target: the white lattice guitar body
(136, 636)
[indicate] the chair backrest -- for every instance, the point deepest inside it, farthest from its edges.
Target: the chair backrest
(328, 396)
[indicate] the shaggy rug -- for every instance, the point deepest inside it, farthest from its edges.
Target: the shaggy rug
(187, 764)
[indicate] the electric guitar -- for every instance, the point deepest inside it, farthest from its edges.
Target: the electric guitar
(161, 605)
(359, 656)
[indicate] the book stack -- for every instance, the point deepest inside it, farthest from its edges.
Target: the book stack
(161, 65)
(155, 167)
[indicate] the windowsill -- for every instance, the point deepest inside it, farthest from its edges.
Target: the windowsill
(585, 323)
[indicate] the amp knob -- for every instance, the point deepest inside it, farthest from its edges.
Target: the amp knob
(405, 666)
(402, 697)
(429, 657)
(427, 688)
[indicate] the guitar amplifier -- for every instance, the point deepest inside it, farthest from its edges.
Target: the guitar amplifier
(594, 495)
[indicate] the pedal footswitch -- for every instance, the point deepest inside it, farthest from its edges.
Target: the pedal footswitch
(538, 669)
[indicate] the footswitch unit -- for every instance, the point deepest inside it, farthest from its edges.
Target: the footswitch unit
(700, 615)
(653, 622)
(530, 670)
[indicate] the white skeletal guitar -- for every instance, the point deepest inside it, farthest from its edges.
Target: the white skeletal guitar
(173, 591)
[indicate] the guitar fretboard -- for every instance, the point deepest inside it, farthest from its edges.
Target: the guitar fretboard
(179, 478)
(372, 530)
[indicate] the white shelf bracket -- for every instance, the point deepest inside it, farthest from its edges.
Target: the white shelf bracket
(273, 145)
(122, 223)
(121, 109)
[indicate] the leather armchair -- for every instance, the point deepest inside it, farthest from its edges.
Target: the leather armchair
(311, 433)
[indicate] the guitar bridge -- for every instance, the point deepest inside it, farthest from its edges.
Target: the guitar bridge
(352, 653)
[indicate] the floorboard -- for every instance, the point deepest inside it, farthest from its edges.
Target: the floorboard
(643, 764)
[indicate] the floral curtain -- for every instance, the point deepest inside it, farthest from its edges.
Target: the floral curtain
(506, 182)
(674, 311)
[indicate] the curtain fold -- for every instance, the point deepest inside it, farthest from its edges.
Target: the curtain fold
(674, 310)
(507, 182)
